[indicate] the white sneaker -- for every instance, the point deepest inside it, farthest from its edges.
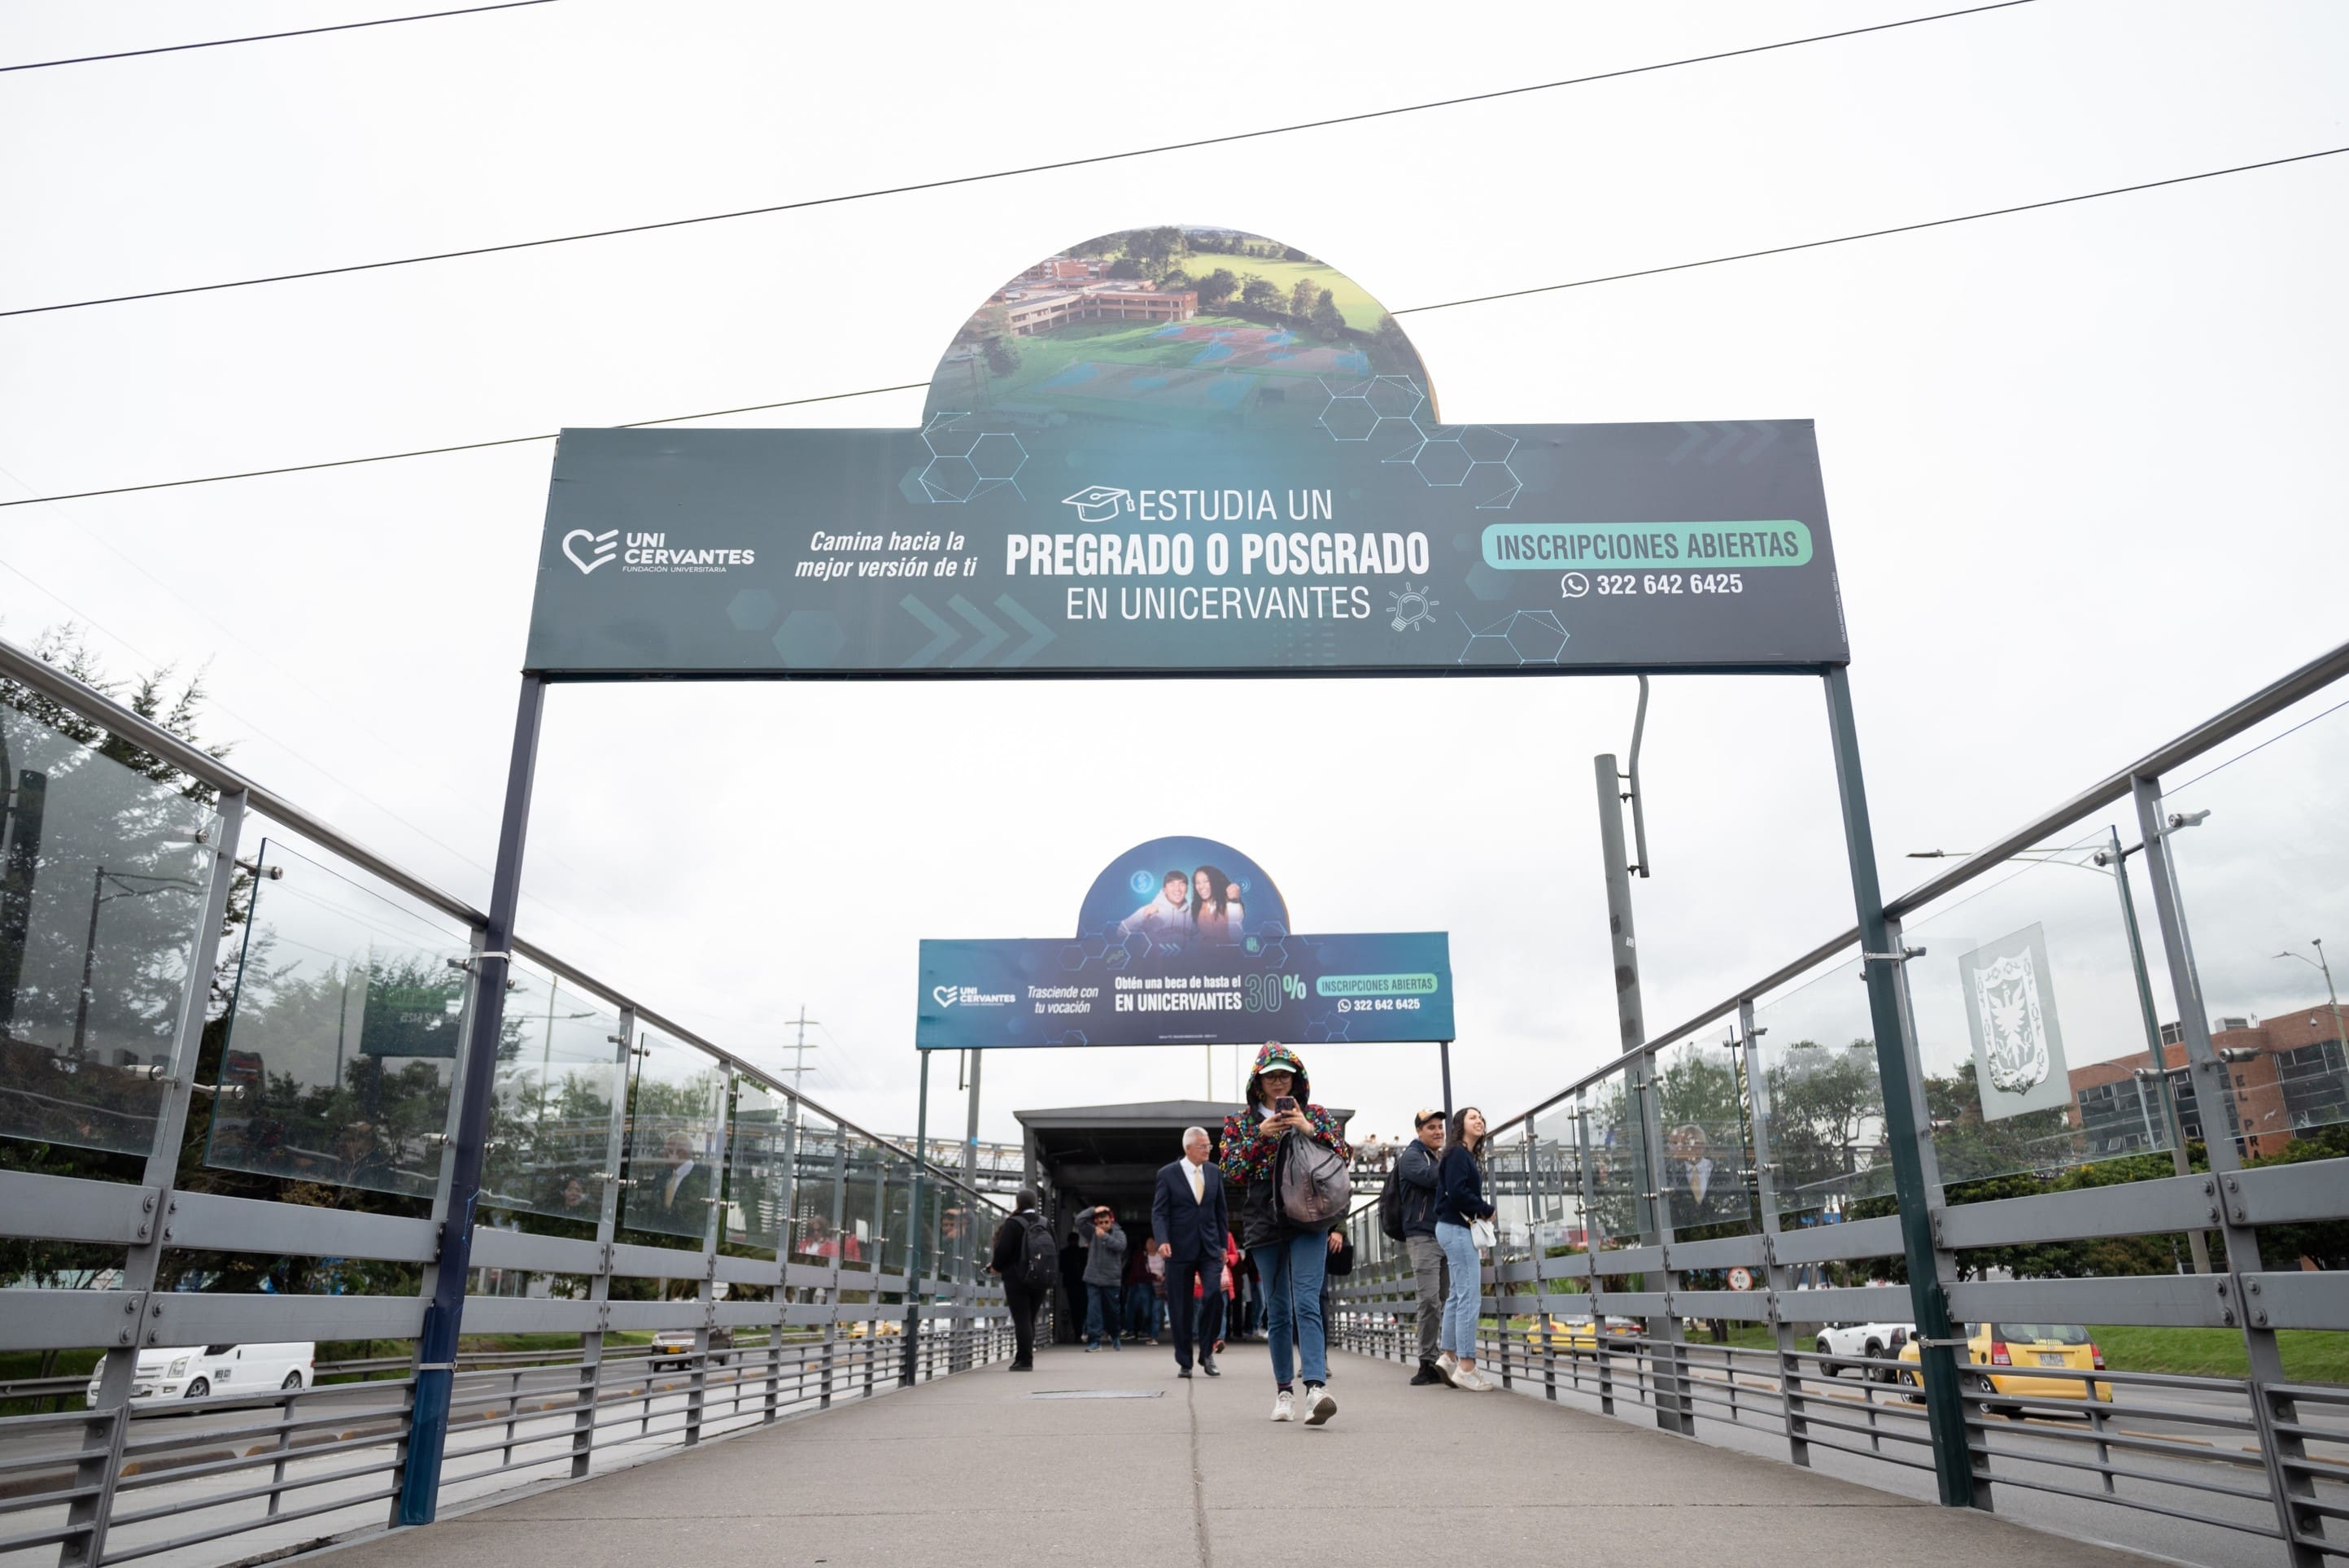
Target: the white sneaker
(1447, 1366)
(1319, 1405)
(1284, 1405)
(1474, 1382)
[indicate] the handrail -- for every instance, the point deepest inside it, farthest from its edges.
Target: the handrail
(20, 664)
(2220, 727)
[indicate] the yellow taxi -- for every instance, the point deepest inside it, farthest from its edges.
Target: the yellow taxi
(890, 1329)
(1577, 1336)
(2010, 1354)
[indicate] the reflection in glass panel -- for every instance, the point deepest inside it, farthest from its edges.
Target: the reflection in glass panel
(101, 900)
(817, 1158)
(1826, 1100)
(860, 1212)
(897, 1202)
(552, 1101)
(2264, 879)
(1707, 1166)
(1509, 1189)
(2032, 1029)
(1620, 1214)
(677, 1115)
(759, 1162)
(1558, 1179)
(343, 1034)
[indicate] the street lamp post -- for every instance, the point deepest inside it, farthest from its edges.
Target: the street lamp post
(2331, 995)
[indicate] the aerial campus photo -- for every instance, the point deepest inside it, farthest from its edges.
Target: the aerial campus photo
(1174, 325)
(772, 790)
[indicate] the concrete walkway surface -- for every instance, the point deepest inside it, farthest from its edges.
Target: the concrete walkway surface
(975, 1471)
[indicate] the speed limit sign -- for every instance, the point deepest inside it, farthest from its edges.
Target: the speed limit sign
(1740, 1279)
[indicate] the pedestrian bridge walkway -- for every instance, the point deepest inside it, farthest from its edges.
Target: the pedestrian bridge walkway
(1108, 1457)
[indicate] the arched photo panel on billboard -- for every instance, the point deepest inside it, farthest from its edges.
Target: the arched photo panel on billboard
(1184, 450)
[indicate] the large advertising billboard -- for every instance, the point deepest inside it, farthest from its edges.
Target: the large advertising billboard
(1184, 452)
(1103, 991)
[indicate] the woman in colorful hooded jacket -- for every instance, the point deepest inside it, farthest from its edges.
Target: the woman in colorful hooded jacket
(1290, 1259)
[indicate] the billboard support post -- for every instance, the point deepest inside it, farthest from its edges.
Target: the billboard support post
(913, 1258)
(1622, 940)
(436, 1350)
(1906, 1130)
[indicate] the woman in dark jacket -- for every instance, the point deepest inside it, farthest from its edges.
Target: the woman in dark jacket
(1290, 1259)
(1459, 1202)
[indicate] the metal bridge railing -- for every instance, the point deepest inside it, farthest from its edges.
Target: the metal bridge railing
(229, 1092)
(1689, 1229)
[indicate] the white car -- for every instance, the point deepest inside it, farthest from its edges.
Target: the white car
(1856, 1341)
(200, 1372)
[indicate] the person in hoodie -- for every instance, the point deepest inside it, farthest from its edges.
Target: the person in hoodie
(1290, 1259)
(1104, 1275)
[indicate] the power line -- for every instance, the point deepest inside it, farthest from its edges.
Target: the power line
(1874, 233)
(1008, 173)
(1407, 310)
(460, 446)
(265, 37)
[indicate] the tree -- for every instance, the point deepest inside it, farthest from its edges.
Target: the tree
(1260, 293)
(1822, 1103)
(1127, 267)
(1290, 253)
(1302, 296)
(1326, 318)
(1216, 288)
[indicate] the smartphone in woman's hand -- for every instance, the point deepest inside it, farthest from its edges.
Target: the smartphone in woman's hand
(1284, 1104)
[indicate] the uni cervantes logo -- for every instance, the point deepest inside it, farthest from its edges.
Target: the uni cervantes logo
(601, 547)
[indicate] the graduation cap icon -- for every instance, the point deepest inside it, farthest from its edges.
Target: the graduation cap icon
(1099, 502)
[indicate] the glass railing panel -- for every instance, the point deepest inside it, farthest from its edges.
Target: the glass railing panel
(1619, 1212)
(677, 1116)
(2032, 1005)
(816, 1158)
(2264, 881)
(102, 875)
(1558, 1179)
(862, 1196)
(758, 1168)
(558, 1077)
(1705, 1180)
(1508, 1186)
(343, 1034)
(897, 1211)
(1817, 1052)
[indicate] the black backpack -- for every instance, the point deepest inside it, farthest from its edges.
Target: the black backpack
(1039, 1261)
(1391, 1199)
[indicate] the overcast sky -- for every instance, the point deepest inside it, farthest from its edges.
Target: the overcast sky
(2082, 464)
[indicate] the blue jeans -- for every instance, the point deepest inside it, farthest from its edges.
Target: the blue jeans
(1457, 1333)
(1291, 1273)
(1141, 1312)
(1100, 1312)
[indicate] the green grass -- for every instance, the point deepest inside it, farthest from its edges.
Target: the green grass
(1354, 303)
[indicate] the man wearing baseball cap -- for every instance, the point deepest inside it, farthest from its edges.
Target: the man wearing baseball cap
(1431, 1276)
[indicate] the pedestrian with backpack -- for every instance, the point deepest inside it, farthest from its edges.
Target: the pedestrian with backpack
(1289, 1158)
(1029, 1265)
(1459, 1205)
(1407, 1214)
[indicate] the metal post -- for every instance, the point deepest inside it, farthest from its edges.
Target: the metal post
(607, 1223)
(1444, 1055)
(1675, 1407)
(100, 1463)
(1621, 939)
(914, 1248)
(1906, 1131)
(2273, 1414)
(2153, 1046)
(436, 1351)
(1775, 1277)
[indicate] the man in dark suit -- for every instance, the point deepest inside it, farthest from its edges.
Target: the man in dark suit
(1190, 1218)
